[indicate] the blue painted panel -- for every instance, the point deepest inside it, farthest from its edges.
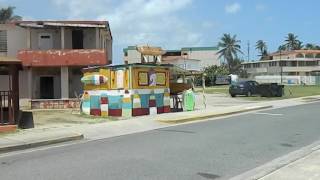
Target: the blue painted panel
(144, 98)
(159, 100)
(115, 102)
(126, 105)
(94, 102)
(86, 104)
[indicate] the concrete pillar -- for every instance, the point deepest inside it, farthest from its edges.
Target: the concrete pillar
(97, 38)
(30, 83)
(62, 38)
(28, 38)
(64, 82)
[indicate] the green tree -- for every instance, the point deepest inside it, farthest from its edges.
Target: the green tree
(211, 73)
(282, 48)
(261, 46)
(7, 15)
(292, 42)
(230, 48)
(309, 46)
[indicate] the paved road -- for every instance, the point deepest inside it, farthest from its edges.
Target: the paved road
(207, 150)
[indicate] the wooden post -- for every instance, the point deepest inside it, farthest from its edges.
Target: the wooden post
(203, 89)
(15, 93)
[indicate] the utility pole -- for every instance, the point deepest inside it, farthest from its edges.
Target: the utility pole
(248, 44)
(280, 64)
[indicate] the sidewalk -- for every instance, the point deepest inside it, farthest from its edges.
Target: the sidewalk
(55, 133)
(306, 168)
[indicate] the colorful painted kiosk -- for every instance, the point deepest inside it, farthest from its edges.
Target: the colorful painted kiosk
(126, 90)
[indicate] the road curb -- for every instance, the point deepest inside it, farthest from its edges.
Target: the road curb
(259, 173)
(213, 115)
(24, 146)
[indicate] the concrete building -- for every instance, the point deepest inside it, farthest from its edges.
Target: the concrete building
(52, 54)
(190, 58)
(295, 63)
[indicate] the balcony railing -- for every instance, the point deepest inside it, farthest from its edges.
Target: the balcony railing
(6, 108)
(65, 57)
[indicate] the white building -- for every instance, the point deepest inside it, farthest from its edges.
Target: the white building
(189, 58)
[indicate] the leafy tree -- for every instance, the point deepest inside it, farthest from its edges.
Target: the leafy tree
(211, 73)
(292, 42)
(282, 48)
(230, 48)
(309, 46)
(7, 15)
(261, 46)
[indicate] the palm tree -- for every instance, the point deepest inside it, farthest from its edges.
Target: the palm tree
(292, 42)
(262, 47)
(309, 46)
(230, 48)
(282, 48)
(7, 15)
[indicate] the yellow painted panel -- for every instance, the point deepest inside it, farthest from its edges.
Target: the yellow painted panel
(126, 79)
(113, 79)
(106, 73)
(90, 86)
(140, 73)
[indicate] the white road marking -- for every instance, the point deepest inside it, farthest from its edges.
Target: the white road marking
(270, 114)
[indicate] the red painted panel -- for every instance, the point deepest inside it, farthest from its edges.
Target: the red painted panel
(160, 110)
(95, 112)
(115, 112)
(166, 109)
(152, 103)
(140, 111)
(68, 57)
(104, 100)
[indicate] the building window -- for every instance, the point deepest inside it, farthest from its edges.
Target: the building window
(273, 63)
(283, 63)
(311, 63)
(256, 65)
(3, 41)
(247, 66)
(301, 63)
(309, 56)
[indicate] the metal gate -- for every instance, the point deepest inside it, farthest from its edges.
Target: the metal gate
(6, 108)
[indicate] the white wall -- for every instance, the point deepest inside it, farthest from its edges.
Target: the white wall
(207, 58)
(293, 80)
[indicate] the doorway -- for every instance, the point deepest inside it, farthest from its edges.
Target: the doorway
(45, 41)
(77, 39)
(46, 88)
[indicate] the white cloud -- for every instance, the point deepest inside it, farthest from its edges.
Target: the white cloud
(261, 7)
(134, 22)
(232, 8)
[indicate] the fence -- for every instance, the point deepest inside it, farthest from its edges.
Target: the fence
(6, 108)
(290, 80)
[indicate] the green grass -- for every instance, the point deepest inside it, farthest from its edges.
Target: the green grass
(289, 92)
(215, 89)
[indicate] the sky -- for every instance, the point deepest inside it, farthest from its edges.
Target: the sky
(173, 24)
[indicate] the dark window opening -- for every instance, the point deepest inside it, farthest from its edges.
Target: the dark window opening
(3, 41)
(77, 39)
(46, 88)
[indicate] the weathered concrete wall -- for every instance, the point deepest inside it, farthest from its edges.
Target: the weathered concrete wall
(56, 38)
(16, 38)
(4, 83)
(89, 38)
(207, 58)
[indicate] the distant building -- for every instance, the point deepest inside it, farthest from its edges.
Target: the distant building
(52, 54)
(286, 63)
(189, 58)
